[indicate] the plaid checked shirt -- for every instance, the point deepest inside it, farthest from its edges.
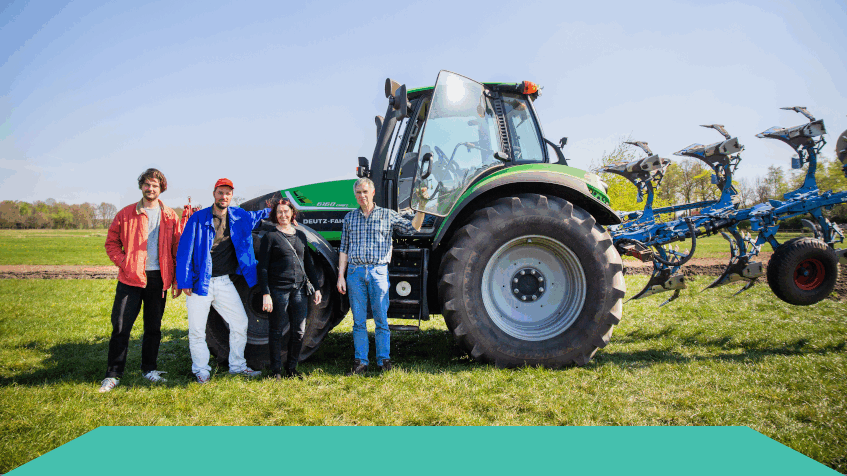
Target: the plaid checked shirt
(368, 240)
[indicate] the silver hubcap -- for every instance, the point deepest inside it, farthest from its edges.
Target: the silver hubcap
(533, 288)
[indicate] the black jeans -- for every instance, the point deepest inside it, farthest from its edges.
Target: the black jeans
(290, 307)
(128, 300)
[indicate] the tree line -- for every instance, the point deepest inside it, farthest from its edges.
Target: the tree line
(690, 180)
(52, 214)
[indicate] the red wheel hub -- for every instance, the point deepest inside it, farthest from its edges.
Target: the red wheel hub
(809, 274)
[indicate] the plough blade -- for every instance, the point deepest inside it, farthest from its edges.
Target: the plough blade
(738, 270)
(675, 295)
(746, 286)
(662, 281)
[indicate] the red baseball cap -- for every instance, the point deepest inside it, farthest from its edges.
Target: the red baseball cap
(224, 182)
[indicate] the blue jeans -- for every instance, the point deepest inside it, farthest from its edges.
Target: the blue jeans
(369, 284)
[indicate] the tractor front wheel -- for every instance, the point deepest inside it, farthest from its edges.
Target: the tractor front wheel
(532, 280)
(803, 271)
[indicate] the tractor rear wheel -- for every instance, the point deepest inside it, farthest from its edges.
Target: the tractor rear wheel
(320, 320)
(532, 280)
(803, 271)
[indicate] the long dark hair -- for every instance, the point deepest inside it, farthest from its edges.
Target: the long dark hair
(281, 202)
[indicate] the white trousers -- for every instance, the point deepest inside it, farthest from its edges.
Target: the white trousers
(224, 298)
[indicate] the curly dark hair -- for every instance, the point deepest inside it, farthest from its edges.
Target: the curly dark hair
(153, 174)
(277, 204)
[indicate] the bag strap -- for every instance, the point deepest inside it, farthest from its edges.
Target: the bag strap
(302, 268)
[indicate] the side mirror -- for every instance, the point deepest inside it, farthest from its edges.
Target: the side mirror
(501, 156)
(363, 170)
(391, 87)
(426, 165)
(563, 142)
(399, 101)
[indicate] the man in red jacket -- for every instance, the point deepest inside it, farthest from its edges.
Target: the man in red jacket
(142, 242)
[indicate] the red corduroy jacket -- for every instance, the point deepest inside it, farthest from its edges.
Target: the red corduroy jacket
(126, 244)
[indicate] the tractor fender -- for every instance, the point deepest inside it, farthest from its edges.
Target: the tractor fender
(536, 181)
(320, 245)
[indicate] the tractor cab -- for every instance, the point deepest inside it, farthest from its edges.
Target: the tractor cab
(434, 142)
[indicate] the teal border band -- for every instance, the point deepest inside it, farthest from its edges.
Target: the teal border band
(428, 451)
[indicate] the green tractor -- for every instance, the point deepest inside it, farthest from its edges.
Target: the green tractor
(513, 252)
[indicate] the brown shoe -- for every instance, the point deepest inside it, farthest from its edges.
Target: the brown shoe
(358, 368)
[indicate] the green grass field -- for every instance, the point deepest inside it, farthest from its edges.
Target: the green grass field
(85, 247)
(53, 247)
(705, 359)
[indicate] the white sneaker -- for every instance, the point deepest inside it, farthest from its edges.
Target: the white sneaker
(202, 377)
(108, 384)
(248, 372)
(155, 376)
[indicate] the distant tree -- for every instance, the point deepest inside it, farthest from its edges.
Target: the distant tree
(10, 214)
(237, 201)
(745, 192)
(622, 193)
(761, 190)
(107, 212)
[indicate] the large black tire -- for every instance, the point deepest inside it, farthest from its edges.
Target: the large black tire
(320, 320)
(803, 271)
(553, 242)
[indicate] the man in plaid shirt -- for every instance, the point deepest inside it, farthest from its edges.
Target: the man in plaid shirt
(366, 245)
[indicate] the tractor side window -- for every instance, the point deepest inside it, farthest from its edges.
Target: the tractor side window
(409, 164)
(396, 141)
(525, 139)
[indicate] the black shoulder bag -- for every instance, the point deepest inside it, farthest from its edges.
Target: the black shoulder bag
(310, 290)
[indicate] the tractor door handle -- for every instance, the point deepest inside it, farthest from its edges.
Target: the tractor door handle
(427, 159)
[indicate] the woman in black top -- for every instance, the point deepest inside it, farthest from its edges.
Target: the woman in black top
(283, 282)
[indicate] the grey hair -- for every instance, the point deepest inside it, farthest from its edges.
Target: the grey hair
(364, 181)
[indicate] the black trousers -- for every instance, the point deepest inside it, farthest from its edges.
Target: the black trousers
(290, 307)
(128, 301)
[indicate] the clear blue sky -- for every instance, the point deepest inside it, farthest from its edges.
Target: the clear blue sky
(278, 94)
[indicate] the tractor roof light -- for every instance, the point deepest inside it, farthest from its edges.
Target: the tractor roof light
(530, 88)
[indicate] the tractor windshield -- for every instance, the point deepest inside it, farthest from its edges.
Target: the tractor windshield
(460, 138)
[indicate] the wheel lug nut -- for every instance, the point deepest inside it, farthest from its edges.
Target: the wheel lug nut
(534, 297)
(516, 291)
(541, 290)
(515, 280)
(523, 272)
(523, 298)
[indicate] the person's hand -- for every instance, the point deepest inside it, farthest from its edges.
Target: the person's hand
(267, 304)
(317, 299)
(175, 291)
(342, 285)
(186, 291)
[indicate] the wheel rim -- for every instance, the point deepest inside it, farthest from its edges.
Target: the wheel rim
(809, 274)
(558, 284)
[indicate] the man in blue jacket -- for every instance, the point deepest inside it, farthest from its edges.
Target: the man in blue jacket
(216, 243)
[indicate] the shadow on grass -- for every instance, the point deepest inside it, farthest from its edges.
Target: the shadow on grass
(430, 351)
(85, 362)
(723, 348)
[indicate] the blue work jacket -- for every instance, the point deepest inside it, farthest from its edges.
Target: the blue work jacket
(194, 254)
